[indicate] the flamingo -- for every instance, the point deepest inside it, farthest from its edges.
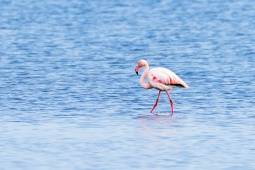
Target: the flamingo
(161, 79)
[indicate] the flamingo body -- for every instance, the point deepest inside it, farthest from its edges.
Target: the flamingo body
(159, 78)
(163, 79)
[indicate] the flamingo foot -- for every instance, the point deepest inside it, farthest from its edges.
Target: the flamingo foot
(172, 106)
(155, 105)
(171, 102)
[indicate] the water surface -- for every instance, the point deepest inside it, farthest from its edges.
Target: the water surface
(70, 98)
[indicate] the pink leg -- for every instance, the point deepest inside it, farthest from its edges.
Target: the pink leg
(156, 103)
(171, 102)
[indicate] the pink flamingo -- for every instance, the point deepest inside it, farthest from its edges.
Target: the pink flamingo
(161, 79)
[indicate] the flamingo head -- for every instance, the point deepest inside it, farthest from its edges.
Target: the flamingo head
(140, 64)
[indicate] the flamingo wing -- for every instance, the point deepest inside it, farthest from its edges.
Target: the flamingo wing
(164, 79)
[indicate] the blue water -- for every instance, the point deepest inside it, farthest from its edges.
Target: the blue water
(70, 98)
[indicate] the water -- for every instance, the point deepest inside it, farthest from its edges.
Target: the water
(70, 98)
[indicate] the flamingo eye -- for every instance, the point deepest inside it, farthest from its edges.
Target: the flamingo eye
(140, 63)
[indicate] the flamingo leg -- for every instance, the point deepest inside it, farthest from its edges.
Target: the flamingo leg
(171, 102)
(156, 103)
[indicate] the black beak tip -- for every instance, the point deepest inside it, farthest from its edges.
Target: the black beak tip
(136, 73)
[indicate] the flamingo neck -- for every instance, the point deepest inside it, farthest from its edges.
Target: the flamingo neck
(144, 75)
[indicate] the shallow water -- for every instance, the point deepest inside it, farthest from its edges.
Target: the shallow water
(70, 98)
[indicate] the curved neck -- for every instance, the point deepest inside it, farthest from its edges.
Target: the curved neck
(144, 75)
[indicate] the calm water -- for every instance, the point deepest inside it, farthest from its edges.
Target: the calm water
(70, 98)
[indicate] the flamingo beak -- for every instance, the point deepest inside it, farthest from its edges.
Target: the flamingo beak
(137, 69)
